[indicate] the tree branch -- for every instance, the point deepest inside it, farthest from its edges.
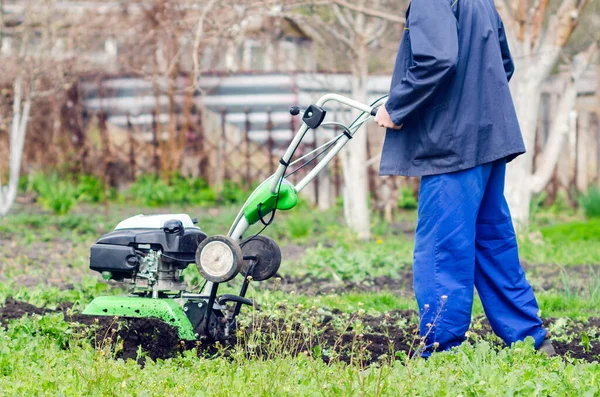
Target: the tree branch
(560, 125)
(521, 18)
(344, 22)
(198, 39)
(537, 21)
(372, 13)
(559, 30)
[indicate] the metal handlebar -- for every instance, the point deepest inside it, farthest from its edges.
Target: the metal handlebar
(240, 225)
(300, 135)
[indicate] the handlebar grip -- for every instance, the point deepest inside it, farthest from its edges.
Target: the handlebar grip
(374, 112)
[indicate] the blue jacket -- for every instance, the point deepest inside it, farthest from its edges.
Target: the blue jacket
(450, 91)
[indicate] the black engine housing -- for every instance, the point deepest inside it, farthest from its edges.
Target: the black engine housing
(115, 252)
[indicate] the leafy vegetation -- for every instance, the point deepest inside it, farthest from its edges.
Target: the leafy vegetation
(44, 262)
(407, 199)
(573, 231)
(55, 193)
(61, 193)
(590, 202)
(45, 355)
(151, 191)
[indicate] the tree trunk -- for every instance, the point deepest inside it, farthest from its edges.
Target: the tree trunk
(8, 193)
(356, 207)
(521, 182)
(526, 96)
(583, 142)
(325, 197)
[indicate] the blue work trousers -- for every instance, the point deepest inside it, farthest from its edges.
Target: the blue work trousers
(465, 239)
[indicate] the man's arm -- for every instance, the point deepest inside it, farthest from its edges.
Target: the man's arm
(434, 43)
(509, 66)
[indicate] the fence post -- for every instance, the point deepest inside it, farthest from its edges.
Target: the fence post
(155, 161)
(203, 161)
(220, 161)
(270, 144)
(132, 164)
(336, 170)
(247, 142)
(371, 174)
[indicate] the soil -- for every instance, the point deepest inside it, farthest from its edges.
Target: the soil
(379, 337)
(310, 285)
(157, 338)
(542, 277)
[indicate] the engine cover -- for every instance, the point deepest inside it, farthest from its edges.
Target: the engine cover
(175, 236)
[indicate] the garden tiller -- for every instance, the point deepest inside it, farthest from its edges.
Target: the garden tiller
(150, 252)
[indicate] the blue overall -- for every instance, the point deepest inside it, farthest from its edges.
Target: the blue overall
(465, 238)
(450, 92)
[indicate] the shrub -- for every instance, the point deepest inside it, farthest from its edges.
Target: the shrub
(573, 231)
(299, 225)
(590, 202)
(150, 191)
(562, 204)
(56, 194)
(407, 199)
(92, 190)
(233, 193)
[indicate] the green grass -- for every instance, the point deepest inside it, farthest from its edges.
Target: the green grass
(45, 356)
(356, 261)
(572, 232)
(590, 202)
(567, 243)
(34, 361)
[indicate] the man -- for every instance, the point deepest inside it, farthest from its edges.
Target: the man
(451, 121)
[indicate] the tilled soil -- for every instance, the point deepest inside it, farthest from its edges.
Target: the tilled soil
(310, 285)
(379, 337)
(542, 277)
(157, 338)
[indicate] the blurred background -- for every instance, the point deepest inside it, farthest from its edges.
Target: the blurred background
(168, 102)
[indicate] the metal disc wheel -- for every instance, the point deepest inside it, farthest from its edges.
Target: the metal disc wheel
(219, 259)
(267, 257)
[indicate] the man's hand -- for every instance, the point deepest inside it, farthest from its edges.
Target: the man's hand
(384, 120)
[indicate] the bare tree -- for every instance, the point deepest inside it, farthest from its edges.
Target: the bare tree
(20, 118)
(163, 41)
(355, 29)
(538, 37)
(34, 71)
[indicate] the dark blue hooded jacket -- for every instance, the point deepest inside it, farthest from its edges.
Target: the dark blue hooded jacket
(450, 91)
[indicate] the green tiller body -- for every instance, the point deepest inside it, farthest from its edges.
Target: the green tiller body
(149, 253)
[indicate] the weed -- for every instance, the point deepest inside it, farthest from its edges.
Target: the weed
(299, 225)
(590, 202)
(56, 194)
(233, 193)
(91, 189)
(407, 199)
(152, 191)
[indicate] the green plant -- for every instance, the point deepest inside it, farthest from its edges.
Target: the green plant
(537, 203)
(562, 204)
(572, 231)
(233, 193)
(299, 225)
(359, 261)
(590, 202)
(407, 199)
(56, 194)
(92, 190)
(152, 191)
